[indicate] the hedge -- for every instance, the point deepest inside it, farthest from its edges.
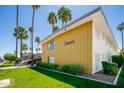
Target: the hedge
(118, 59)
(68, 68)
(48, 65)
(71, 68)
(109, 68)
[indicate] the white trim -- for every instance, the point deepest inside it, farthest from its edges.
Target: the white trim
(116, 79)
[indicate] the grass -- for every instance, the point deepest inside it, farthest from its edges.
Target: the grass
(38, 78)
(120, 82)
(7, 64)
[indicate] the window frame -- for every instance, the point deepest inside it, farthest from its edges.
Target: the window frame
(49, 46)
(51, 58)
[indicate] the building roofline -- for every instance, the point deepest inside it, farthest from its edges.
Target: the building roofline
(73, 22)
(82, 17)
(109, 27)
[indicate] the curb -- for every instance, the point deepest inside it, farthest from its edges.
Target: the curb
(117, 76)
(76, 75)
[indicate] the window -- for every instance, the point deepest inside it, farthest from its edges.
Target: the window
(51, 45)
(51, 59)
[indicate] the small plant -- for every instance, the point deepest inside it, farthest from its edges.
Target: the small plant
(48, 65)
(109, 68)
(71, 68)
(118, 59)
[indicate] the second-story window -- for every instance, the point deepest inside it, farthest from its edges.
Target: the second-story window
(51, 45)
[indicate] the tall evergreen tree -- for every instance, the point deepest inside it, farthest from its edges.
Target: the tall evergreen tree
(34, 7)
(52, 19)
(120, 28)
(64, 15)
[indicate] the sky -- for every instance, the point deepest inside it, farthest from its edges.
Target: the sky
(114, 15)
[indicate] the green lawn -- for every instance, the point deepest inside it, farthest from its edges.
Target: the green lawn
(7, 64)
(120, 82)
(38, 78)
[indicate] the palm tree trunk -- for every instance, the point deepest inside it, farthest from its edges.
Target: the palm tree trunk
(17, 31)
(62, 24)
(30, 41)
(122, 39)
(37, 48)
(32, 63)
(65, 23)
(53, 28)
(21, 48)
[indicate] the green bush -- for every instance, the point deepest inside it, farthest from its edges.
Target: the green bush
(71, 68)
(109, 68)
(118, 59)
(17, 60)
(48, 65)
(9, 57)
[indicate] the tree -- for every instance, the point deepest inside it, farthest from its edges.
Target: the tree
(122, 52)
(120, 28)
(64, 15)
(22, 35)
(55, 29)
(17, 15)
(24, 47)
(30, 30)
(37, 40)
(52, 19)
(9, 57)
(34, 7)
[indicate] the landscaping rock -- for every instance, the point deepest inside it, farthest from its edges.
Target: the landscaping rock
(4, 83)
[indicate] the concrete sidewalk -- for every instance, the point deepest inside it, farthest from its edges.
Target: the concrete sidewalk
(12, 67)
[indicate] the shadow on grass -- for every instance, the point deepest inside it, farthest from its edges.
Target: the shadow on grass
(74, 81)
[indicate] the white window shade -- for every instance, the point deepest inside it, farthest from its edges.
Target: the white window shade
(51, 45)
(51, 59)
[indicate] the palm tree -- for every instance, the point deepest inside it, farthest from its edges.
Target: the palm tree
(22, 35)
(52, 19)
(120, 28)
(17, 15)
(30, 30)
(55, 29)
(37, 40)
(34, 7)
(64, 15)
(24, 47)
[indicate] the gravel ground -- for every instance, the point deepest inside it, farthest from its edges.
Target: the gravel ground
(101, 76)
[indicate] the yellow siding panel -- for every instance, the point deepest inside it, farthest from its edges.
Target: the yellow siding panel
(79, 52)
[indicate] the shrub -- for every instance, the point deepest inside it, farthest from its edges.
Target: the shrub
(118, 59)
(17, 60)
(9, 57)
(109, 68)
(48, 65)
(71, 68)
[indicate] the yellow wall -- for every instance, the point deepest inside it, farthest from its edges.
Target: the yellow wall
(79, 52)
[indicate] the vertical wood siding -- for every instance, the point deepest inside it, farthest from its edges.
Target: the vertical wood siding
(79, 52)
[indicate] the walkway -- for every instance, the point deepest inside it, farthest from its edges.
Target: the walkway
(12, 67)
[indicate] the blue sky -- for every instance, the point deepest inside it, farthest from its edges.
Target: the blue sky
(114, 14)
